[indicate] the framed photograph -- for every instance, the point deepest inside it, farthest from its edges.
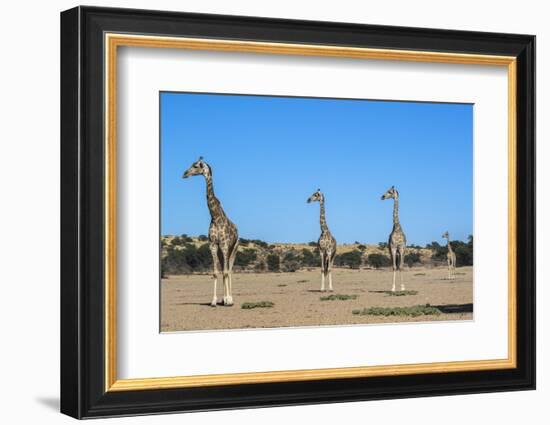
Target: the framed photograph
(261, 212)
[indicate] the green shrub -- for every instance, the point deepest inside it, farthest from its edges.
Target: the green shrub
(186, 260)
(464, 251)
(273, 263)
(260, 304)
(378, 260)
(351, 259)
(245, 257)
(414, 311)
(309, 258)
(412, 258)
(339, 297)
(260, 243)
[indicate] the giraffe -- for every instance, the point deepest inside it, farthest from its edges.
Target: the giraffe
(451, 256)
(397, 240)
(222, 234)
(327, 243)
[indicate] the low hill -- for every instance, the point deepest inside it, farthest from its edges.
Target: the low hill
(186, 254)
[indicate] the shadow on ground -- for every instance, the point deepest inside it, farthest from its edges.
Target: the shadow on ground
(455, 308)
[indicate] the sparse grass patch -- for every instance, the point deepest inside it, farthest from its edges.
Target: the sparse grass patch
(259, 304)
(420, 274)
(281, 285)
(339, 297)
(460, 273)
(302, 281)
(414, 311)
(400, 293)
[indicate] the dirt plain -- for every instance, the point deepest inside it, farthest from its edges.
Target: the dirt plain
(185, 299)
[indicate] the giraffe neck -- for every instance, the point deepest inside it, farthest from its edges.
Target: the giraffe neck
(322, 219)
(450, 248)
(395, 211)
(214, 205)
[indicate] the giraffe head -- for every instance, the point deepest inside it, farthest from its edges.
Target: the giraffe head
(316, 197)
(199, 167)
(390, 193)
(445, 235)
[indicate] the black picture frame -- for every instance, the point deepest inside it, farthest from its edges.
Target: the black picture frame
(83, 392)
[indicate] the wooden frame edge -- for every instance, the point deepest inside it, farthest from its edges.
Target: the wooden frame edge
(114, 40)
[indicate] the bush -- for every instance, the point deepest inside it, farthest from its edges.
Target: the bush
(383, 245)
(186, 260)
(177, 241)
(464, 255)
(412, 258)
(291, 262)
(379, 260)
(203, 238)
(260, 267)
(312, 243)
(464, 252)
(260, 243)
(260, 304)
(362, 247)
(339, 297)
(350, 259)
(414, 311)
(273, 263)
(310, 259)
(433, 246)
(245, 257)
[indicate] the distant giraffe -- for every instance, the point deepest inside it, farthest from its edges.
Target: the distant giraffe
(451, 256)
(222, 234)
(327, 243)
(397, 240)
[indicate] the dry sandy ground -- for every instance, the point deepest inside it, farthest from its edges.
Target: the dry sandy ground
(296, 297)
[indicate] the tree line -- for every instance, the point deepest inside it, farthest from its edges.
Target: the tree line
(181, 256)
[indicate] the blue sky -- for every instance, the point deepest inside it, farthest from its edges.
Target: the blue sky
(269, 154)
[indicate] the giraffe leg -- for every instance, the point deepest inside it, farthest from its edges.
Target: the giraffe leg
(322, 272)
(401, 263)
(230, 274)
(227, 301)
(449, 266)
(215, 263)
(394, 265)
(454, 268)
(229, 289)
(329, 273)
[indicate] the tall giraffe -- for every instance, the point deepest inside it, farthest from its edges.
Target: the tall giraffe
(327, 243)
(222, 234)
(451, 256)
(397, 241)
